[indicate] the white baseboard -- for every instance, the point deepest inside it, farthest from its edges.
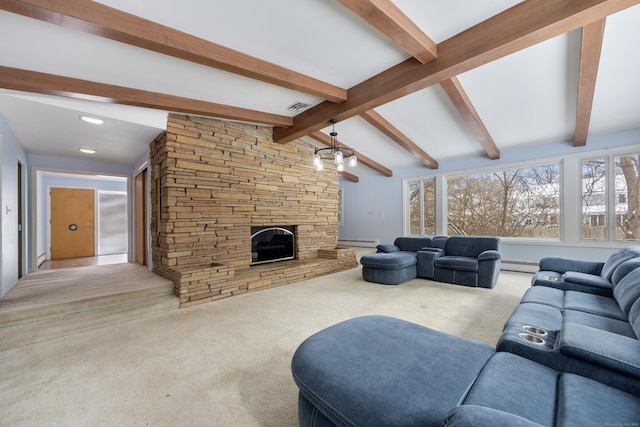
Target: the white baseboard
(362, 243)
(41, 258)
(520, 266)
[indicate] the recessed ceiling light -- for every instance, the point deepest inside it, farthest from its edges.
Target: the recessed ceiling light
(87, 150)
(92, 120)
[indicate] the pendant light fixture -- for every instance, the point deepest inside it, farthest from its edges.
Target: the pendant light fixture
(334, 153)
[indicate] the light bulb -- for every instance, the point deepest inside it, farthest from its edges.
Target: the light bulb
(339, 158)
(353, 161)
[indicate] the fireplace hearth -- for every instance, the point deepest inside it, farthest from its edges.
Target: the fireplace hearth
(272, 244)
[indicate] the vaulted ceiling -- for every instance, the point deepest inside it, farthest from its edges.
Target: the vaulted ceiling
(410, 83)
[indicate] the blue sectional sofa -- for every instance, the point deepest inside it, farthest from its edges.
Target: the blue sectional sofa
(462, 260)
(381, 371)
(567, 357)
(582, 276)
(581, 332)
(394, 264)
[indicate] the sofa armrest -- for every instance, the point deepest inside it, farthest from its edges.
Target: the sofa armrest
(562, 265)
(425, 263)
(482, 416)
(612, 351)
(489, 255)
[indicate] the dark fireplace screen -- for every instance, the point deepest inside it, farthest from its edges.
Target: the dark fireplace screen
(271, 244)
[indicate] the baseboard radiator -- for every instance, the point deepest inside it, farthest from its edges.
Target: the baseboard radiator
(361, 243)
(520, 266)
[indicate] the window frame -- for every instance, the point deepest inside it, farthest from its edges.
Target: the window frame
(570, 208)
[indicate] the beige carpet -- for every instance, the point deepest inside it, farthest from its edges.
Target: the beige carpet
(225, 363)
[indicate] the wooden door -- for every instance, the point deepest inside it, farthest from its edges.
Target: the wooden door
(72, 223)
(140, 197)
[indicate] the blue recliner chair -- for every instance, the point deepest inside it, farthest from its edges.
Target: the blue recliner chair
(469, 261)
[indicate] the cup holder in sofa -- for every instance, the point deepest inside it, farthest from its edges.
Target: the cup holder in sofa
(531, 338)
(534, 330)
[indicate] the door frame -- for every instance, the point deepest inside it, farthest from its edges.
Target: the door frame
(141, 217)
(22, 220)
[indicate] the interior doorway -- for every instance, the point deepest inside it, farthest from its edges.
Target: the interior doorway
(112, 217)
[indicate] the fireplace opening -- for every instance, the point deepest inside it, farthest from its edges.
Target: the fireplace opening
(272, 243)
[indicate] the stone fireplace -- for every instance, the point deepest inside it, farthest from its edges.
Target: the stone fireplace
(213, 183)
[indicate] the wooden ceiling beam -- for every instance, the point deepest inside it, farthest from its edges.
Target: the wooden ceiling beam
(325, 140)
(98, 19)
(351, 177)
(463, 104)
(525, 24)
(384, 126)
(591, 47)
(392, 22)
(50, 84)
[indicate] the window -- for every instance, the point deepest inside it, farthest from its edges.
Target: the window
(616, 218)
(594, 198)
(421, 209)
(627, 187)
(507, 203)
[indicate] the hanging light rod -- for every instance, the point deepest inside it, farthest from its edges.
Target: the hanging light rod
(334, 152)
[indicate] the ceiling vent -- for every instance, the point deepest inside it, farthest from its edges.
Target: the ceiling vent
(298, 106)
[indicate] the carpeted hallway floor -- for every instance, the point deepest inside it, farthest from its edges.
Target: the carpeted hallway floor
(225, 363)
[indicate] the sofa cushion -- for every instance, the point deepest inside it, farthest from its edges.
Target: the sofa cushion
(392, 261)
(439, 241)
(611, 351)
(634, 318)
(478, 416)
(624, 269)
(412, 244)
(457, 263)
(618, 258)
(513, 384)
(595, 304)
(544, 295)
(627, 291)
(615, 326)
(377, 370)
(584, 402)
(470, 246)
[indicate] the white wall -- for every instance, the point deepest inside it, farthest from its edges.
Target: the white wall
(11, 152)
(373, 206)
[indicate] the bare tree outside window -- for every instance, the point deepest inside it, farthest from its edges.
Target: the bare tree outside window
(422, 208)
(429, 217)
(508, 203)
(627, 190)
(414, 208)
(594, 199)
(596, 202)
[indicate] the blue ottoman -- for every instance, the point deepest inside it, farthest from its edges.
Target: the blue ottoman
(389, 268)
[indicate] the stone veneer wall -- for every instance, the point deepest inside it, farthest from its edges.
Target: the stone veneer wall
(211, 181)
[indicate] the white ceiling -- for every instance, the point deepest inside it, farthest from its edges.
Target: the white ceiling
(526, 98)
